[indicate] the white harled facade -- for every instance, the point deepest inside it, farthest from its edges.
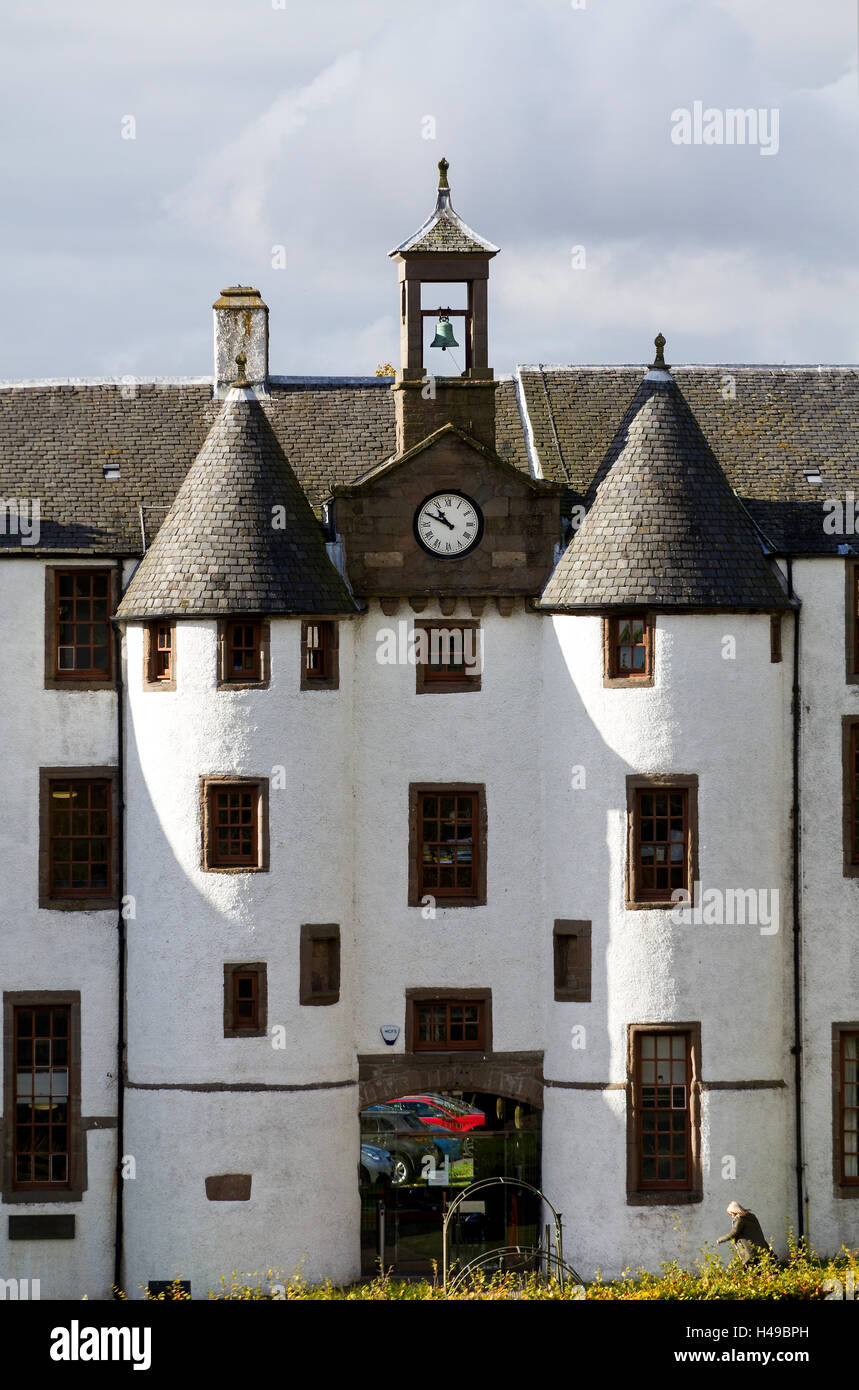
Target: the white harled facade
(553, 747)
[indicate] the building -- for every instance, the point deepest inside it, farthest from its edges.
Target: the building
(275, 857)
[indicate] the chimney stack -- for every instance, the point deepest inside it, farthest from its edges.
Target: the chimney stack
(241, 328)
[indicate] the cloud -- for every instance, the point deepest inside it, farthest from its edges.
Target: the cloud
(227, 200)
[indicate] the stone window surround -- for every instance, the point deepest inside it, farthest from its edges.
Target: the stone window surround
(77, 774)
(445, 996)
(658, 781)
(52, 680)
(77, 1183)
(310, 932)
(850, 867)
(839, 1188)
(669, 1197)
(851, 580)
(611, 682)
(149, 627)
(416, 790)
(231, 1030)
(332, 680)
(424, 686)
(581, 931)
(223, 680)
(208, 781)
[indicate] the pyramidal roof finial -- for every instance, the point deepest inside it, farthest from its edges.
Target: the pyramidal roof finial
(658, 362)
(443, 167)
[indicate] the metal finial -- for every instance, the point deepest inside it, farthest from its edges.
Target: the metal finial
(659, 360)
(443, 167)
(241, 363)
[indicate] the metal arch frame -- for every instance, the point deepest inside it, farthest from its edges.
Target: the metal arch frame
(479, 1186)
(551, 1258)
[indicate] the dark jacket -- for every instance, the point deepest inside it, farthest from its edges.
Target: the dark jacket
(748, 1238)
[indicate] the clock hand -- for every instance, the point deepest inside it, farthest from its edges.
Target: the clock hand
(442, 517)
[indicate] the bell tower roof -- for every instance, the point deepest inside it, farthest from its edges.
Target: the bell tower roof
(444, 231)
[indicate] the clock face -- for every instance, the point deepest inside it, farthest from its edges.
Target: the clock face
(448, 525)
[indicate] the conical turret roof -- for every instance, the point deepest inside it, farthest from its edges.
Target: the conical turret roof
(663, 527)
(444, 230)
(241, 536)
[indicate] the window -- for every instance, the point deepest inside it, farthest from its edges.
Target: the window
(319, 973)
(319, 655)
(79, 604)
(662, 839)
(243, 653)
(245, 1000)
(159, 655)
(850, 760)
(845, 1108)
(628, 649)
(572, 948)
(448, 658)
(457, 1020)
(852, 623)
(447, 851)
(664, 1113)
(43, 1155)
(234, 815)
(775, 637)
(78, 838)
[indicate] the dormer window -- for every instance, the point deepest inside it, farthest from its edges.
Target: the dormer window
(628, 649)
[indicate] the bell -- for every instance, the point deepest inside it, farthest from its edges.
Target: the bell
(444, 334)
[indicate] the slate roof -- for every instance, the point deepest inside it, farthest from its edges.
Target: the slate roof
(56, 437)
(222, 548)
(663, 527)
(444, 230)
(779, 423)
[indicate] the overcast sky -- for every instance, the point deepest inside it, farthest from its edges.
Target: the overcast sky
(304, 127)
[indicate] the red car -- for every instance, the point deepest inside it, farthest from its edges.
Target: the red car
(441, 1112)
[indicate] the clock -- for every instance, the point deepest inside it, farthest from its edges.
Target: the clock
(448, 525)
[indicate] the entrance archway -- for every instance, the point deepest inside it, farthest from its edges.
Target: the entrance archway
(429, 1129)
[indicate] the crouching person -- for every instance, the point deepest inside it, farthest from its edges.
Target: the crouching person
(746, 1233)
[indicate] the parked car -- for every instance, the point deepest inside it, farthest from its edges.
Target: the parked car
(376, 1163)
(441, 1112)
(405, 1138)
(445, 1144)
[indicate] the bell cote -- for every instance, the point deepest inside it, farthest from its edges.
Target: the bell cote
(444, 375)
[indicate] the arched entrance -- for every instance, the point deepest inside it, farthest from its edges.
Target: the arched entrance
(429, 1129)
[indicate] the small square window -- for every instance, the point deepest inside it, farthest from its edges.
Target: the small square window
(245, 1000)
(234, 813)
(319, 964)
(449, 657)
(243, 653)
(320, 669)
(628, 649)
